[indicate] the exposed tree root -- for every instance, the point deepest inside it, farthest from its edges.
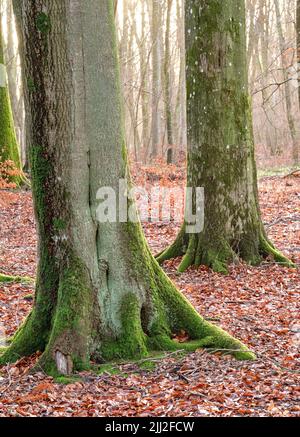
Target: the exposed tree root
(196, 251)
(24, 182)
(16, 279)
(268, 250)
(70, 340)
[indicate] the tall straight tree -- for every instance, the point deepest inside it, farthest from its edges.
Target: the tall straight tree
(9, 150)
(156, 27)
(220, 141)
(99, 291)
(298, 44)
(167, 83)
(287, 90)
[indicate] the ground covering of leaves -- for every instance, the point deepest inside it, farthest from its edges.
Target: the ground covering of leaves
(259, 305)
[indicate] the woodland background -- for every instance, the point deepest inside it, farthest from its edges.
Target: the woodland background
(260, 305)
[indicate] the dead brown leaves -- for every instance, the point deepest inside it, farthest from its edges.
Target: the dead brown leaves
(258, 305)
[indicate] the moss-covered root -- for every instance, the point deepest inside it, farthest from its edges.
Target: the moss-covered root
(178, 248)
(16, 279)
(61, 330)
(24, 182)
(267, 249)
(68, 346)
(135, 344)
(29, 338)
(198, 252)
(183, 316)
(132, 343)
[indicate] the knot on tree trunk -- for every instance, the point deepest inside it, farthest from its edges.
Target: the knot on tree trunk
(103, 265)
(64, 363)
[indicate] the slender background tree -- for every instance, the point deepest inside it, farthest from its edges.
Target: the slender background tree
(220, 141)
(9, 150)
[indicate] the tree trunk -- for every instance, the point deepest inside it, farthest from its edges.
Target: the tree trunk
(23, 115)
(220, 141)
(262, 60)
(156, 77)
(99, 292)
(181, 97)
(9, 150)
(167, 85)
(11, 62)
(298, 44)
(144, 67)
(287, 90)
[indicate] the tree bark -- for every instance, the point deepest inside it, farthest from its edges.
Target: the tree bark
(298, 44)
(9, 150)
(156, 77)
(220, 141)
(17, 15)
(99, 291)
(167, 85)
(181, 97)
(287, 90)
(11, 61)
(144, 67)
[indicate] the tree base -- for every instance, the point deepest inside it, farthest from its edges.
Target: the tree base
(70, 344)
(196, 251)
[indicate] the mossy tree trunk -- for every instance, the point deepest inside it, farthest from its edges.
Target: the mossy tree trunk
(220, 140)
(99, 291)
(9, 150)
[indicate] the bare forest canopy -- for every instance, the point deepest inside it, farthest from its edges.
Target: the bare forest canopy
(152, 55)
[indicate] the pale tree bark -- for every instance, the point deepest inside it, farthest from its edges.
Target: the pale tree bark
(298, 44)
(145, 90)
(142, 100)
(25, 117)
(132, 98)
(9, 150)
(287, 89)
(262, 57)
(167, 85)
(181, 96)
(220, 141)
(156, 77)
(11, 62)
(99, 292)
(15, 85)
(252, 35)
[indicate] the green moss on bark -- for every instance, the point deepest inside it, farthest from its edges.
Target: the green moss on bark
(132, 341)
(115, 301)
(220, 142)
(9, 149)
(30, 338)
(16, 279)
(72, 320)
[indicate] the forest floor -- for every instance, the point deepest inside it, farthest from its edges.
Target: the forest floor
(259, 305)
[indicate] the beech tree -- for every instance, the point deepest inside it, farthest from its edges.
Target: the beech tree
(156, 76)
(220, 141)
(287, 89)
(298, 43)
(99, 292)
(167, 85)
(9, 150)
